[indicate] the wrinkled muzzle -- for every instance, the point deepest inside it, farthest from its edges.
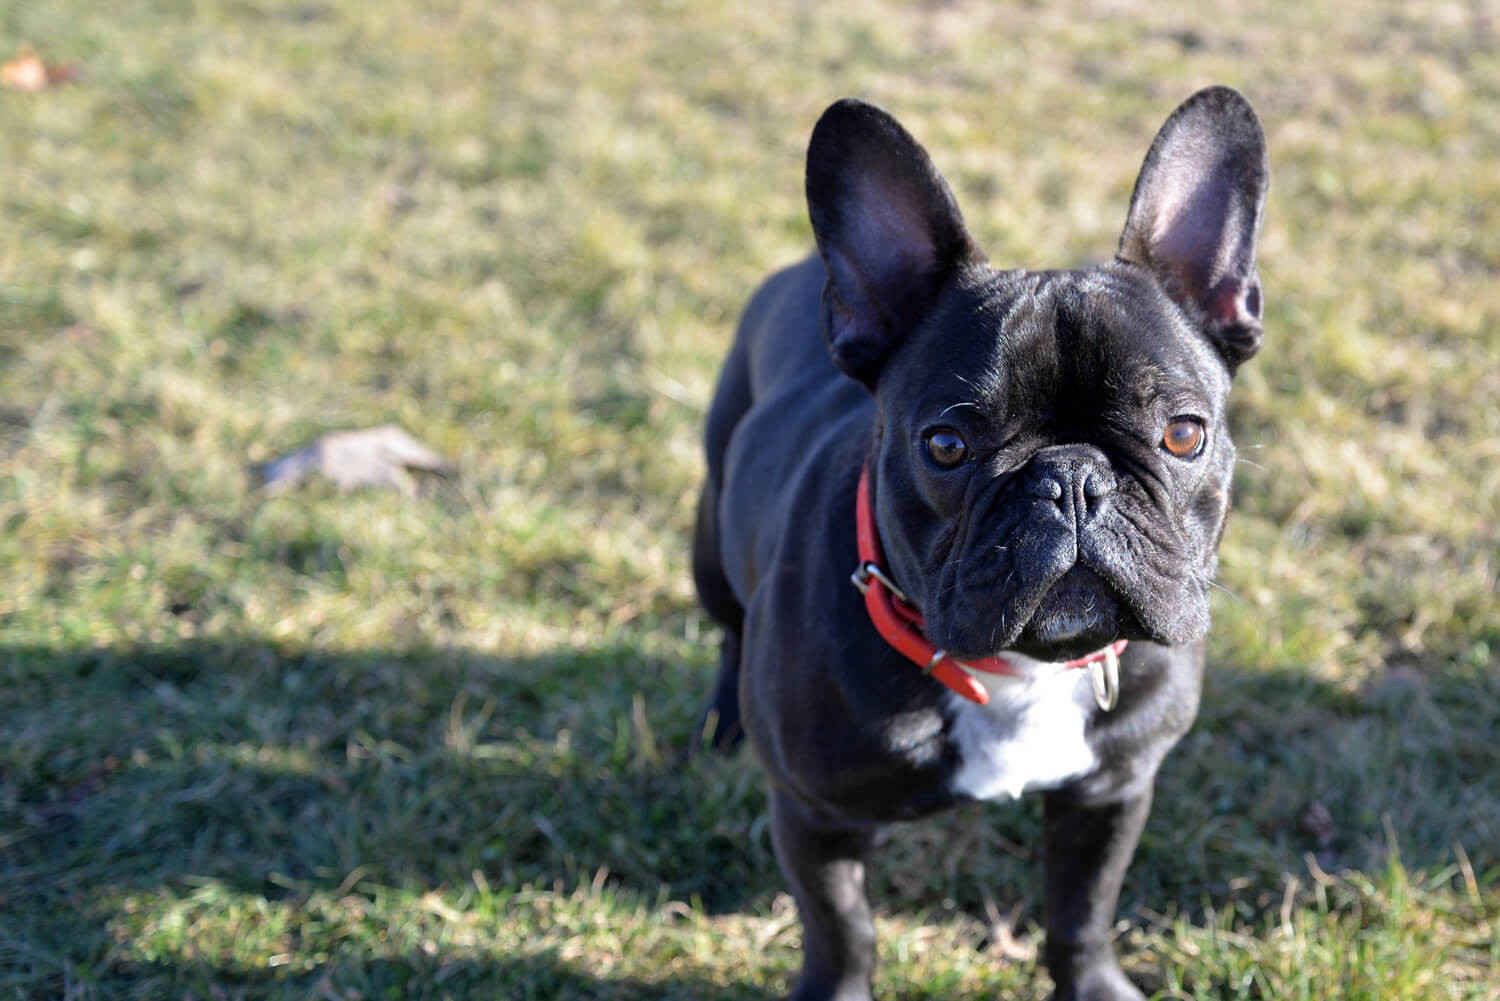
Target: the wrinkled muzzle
(1059, 561)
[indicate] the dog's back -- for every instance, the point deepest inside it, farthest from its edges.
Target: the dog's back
(778, 374)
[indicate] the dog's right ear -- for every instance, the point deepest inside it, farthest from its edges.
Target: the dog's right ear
(1196, 212)
(888, 229)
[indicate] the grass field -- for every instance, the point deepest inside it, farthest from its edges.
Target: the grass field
(430, 744)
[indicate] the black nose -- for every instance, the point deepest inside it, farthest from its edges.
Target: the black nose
(1076, 478)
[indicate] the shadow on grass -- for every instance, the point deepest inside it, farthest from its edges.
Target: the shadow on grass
(259, 767)
(279, 775)
(539, 977)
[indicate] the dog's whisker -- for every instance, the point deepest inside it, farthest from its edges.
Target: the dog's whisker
(1220, 587)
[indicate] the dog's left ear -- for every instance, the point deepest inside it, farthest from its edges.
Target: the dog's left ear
(1196, 214)
(888, 228)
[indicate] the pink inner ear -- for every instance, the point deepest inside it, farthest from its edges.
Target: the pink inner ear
(1224, 305)
(1183, 223)
(894, 229)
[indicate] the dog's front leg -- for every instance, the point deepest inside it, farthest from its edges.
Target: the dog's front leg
(1089, 846)
(825, 865)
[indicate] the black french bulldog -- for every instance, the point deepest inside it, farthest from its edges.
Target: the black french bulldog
(1049, 469)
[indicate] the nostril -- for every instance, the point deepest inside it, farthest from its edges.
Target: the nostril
(1048, 489)
(1098, 484)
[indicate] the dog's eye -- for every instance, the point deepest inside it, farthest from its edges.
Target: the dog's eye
(946, 447)
(1183, 438)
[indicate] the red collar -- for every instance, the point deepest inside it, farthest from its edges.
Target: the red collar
(901, 624)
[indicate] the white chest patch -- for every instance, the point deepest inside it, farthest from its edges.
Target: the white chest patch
(1029, 737)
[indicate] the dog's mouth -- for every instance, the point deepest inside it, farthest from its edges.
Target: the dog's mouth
(1079, 614)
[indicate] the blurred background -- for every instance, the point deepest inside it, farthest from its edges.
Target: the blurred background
(429, 741)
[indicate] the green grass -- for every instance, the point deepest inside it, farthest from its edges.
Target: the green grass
(368, 745)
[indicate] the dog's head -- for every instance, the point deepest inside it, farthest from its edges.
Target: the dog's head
(1052, 461)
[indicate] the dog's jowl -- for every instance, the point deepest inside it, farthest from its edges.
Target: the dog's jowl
(960, 523)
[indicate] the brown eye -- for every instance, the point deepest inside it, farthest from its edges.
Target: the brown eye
(946, 448)
(1183, 438)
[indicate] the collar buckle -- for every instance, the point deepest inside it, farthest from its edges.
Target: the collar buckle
(870, 571)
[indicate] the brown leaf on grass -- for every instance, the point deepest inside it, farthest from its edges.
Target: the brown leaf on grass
(377, 457)
(29, 73)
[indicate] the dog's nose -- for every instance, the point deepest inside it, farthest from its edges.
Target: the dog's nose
(1077, 478)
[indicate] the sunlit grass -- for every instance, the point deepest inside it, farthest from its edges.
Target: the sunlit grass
(370, 745)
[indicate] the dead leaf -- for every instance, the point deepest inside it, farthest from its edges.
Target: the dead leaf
(375, 457)
(29, 73)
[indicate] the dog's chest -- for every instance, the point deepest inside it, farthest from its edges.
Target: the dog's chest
(1029, 737)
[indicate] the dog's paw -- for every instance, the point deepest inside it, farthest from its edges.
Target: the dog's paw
(823, 992)
(1104, 982)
